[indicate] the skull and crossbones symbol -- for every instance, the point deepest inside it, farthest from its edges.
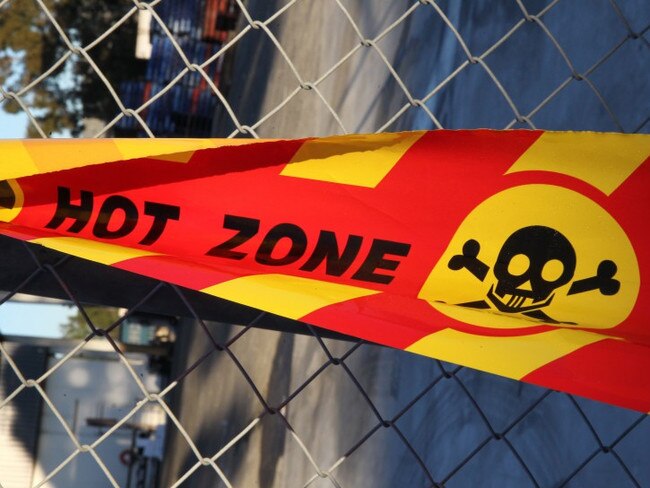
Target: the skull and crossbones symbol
(530, 288)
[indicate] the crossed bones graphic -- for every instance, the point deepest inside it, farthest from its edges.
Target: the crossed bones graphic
(530, 290)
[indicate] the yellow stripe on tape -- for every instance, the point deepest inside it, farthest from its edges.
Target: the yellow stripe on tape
(513, 356)
(54, 155)
(288, 296)
(602, 160)
(174, 150)
(99, 252)
(350, 160)
(20, 158)
(15, 161)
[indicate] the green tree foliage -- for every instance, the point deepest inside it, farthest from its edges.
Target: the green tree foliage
(30, 45)
(77, 328)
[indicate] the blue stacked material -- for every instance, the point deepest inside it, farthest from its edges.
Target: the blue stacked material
(187, 108)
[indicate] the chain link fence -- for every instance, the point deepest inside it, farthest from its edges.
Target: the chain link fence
(244, 405)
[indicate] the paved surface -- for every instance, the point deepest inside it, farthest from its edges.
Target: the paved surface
(330, 416)
(215, 403)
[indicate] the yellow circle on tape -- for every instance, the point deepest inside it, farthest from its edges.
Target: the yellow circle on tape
(595, 285)
(11, 200)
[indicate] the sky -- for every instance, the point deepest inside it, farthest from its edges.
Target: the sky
(29, 319)
(12, 126)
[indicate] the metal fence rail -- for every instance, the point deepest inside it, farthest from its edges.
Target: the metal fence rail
(250, 407)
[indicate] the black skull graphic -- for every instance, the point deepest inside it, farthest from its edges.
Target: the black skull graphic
(533, 262)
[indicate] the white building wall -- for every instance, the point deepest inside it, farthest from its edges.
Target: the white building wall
(95, 385)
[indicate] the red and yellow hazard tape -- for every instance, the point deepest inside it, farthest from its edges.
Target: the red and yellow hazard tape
(521, 253)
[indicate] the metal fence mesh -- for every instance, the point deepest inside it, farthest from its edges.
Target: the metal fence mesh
(251, 407)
